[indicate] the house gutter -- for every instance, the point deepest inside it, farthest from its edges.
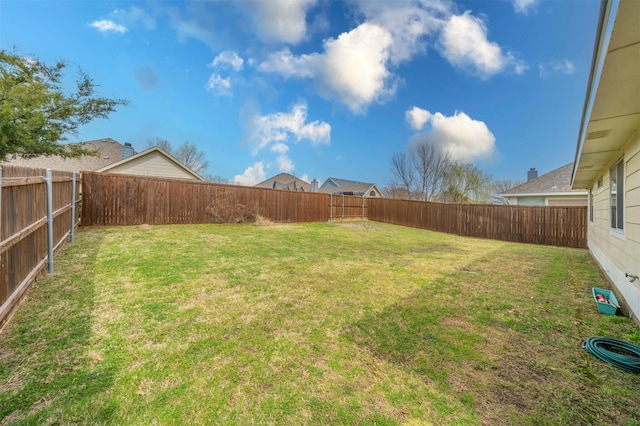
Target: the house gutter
(575, 192)
(608, 8)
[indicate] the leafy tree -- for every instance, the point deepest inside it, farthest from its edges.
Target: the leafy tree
(35, 112)
(465, 183)
(187, 153)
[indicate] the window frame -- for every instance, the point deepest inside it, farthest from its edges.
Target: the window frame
(591, 205)
(616, 196)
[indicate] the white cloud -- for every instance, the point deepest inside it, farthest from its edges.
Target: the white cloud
(417, 117)
(280, 148)
(466, 139)
(280, 20)
(283, 62)
(409, 22)
(252, 175)
(464, 43)
(228, 59)
(107, 25)
(523, 6)
(218, 85)
(199, 24)
(133, 15)
(285, 164)
(352, 69)
(562, 67)
(356, 69)
(275, 130)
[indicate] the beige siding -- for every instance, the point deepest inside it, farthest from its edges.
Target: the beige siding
(619, 252)
(568, 201)
(152, 164)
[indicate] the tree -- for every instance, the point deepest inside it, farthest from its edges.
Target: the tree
(500, 187)
(403, 175)
(432, 165)
(187, 153)
(35, 112)
(466, 183)
(420, 171)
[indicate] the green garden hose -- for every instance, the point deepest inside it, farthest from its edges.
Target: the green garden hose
(620, 354)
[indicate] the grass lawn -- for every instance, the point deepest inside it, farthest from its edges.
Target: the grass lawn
(355, 323)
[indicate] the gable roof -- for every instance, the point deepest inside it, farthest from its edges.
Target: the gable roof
(360, 189)
(557, 182)
(335, 185)
(109, 152)
(150, 152)
(285, 181)
(342, 182)
(611, 112)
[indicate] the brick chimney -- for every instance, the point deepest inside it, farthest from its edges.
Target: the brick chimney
(532, 174)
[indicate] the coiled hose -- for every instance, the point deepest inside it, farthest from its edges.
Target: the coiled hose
(620, 354)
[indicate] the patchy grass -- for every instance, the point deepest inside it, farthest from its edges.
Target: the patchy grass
(361, 323)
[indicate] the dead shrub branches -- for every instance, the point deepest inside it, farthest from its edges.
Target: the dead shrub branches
(226, 210)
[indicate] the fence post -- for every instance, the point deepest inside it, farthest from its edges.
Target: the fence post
(0, 206)
(330, 207)
(343, 206)
(72, 232)
(363, 207)
(49, 180)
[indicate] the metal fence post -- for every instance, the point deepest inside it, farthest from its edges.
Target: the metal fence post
(72, 233)
(49, 180)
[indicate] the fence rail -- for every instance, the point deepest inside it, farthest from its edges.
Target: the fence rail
(28, 239)
(558, 226)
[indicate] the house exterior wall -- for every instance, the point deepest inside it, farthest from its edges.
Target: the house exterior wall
(568, 201)
(618, 252)
(152, 164)
(540, 200)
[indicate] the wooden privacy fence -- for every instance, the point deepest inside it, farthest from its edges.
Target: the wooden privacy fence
(37, 215)
(114, 199)
(558, 226)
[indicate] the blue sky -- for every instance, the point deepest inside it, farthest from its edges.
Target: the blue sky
(327, 88)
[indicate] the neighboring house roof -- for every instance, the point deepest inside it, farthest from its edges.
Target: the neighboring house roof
(109, 152)
(285, 181)
(556, 182)
(355, 189)
(611, 113)
(334, 185)
(335, 182)
(152, 162)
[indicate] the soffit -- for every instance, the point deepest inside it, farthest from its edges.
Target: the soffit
(615, 115)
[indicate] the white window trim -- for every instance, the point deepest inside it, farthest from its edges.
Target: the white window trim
(617, 232)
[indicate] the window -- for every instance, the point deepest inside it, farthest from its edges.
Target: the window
(531, 201)
(591, 204)
(372, 194)
(616, 188)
